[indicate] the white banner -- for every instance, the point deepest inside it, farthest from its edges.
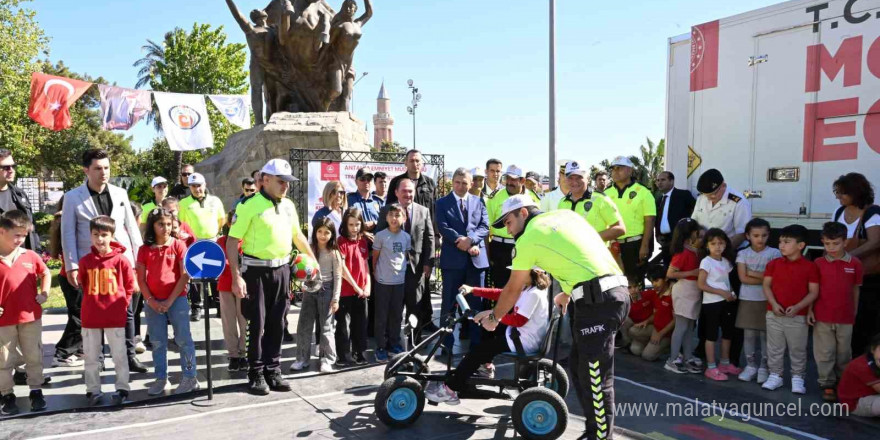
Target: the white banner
(320, 173)
(236, 108)
(185, 121)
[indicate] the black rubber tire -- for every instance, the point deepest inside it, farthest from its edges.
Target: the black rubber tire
(385, 392)
(548, 400)
(560, 382)
(410, 366)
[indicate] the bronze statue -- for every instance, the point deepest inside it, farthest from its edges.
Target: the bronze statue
(302, 54)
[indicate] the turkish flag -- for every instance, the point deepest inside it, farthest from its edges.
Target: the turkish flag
(51, 98)
(704, 56)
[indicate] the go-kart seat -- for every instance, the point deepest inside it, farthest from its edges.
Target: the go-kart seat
(546, 343)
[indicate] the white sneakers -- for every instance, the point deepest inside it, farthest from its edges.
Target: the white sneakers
(748, 374)
(299, 365)
(797, 385)
(439, 392)
(763, 374)
(187, 385)
(158, 387)
(72, 361)
(773, 382)
(326, 366)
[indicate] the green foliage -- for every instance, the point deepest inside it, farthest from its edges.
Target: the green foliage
(201, 62)
(21, 42)
(391, 147)
(42, 222)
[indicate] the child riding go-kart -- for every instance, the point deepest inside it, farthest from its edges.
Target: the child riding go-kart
(539, 410)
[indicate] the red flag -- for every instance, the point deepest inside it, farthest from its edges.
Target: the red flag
(704, 56)
(51, 98)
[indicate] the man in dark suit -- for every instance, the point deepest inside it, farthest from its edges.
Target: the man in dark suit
(421, 257)
(463, 222)
(673, 204)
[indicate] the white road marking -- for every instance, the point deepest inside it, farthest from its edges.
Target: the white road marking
(199, 415)
(688, 399)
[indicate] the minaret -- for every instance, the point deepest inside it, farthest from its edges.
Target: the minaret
(383, 123)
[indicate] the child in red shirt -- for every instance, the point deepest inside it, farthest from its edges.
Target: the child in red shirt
(859, 387)
(834, 312)
(791, 284)
(687, 298)
(107, 281)
(233, 322)
(20, 311)
(351, 342)
(661, 331)
(636, 330)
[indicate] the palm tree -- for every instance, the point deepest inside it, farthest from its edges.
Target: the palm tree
(149, 65)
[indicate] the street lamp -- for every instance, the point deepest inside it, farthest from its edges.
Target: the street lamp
(352, 89)
(552, 128)
(417, 97)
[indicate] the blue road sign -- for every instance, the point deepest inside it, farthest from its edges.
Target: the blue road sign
(204, 260)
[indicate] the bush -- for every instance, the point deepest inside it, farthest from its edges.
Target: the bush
(42, 221)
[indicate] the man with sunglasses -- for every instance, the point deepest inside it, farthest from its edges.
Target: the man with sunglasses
(13, 198)
(181, 190)
(248, 188)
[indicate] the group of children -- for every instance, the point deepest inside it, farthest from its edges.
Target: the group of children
(781, 295)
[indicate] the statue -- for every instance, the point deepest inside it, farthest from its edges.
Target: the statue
(302, 54)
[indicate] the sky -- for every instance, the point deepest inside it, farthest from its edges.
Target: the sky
(481, 67)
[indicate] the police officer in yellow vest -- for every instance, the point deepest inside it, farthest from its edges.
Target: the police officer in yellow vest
(637, 207)
(599, 211)
(500, 241)
(563, 244)
(268, 227)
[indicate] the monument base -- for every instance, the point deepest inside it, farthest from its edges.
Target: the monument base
(250, 149)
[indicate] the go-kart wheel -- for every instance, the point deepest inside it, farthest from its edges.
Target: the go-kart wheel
(539, 414)
(399, 401)
(411, 365)
(556, 380)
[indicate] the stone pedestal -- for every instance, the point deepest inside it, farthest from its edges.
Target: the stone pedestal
(250, 149)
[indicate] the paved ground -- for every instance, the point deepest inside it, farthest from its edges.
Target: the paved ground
(340, 405)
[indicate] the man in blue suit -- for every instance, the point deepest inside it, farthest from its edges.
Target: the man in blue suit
(463, 222)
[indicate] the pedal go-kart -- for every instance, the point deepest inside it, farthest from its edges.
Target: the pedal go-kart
(539, 410)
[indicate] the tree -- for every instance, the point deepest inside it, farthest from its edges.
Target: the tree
(201, 62)
(648, 165)
(21, 42)
(391, 147)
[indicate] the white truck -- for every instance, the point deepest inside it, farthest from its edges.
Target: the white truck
(782, 100)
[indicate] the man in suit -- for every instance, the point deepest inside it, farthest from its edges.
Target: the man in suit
(673, 204)
(463, 222)
(421, 257)
(93, 198)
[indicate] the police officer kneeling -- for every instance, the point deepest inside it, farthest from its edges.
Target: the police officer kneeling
(565, 246)
(268, 227)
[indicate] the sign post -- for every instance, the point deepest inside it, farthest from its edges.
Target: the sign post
(204, 261)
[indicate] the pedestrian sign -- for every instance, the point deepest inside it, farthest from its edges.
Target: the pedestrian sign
(204, 260)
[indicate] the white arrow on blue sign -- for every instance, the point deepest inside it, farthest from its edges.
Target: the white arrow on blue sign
(204, 260)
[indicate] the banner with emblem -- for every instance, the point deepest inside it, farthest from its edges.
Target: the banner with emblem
(321, 173)
(122, 108)
(185, 121)
(235, 108)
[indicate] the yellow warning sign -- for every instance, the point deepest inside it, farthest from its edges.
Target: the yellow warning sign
(694, 161)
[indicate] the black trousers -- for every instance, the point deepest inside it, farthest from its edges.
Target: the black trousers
(868, 317)
(414, 295)
(351, 326)
(195, 296)
(501, 256)
(482, 353)
(129, 325)
(264, 308)
(138, 306)
(633, 267)
(71, 342)
(594, 327)
(664, 257)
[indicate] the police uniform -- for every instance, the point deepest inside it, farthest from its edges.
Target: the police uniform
(561, 243)
(596, 208)
(501, 243)
(369, 205)
(267, 229)
(635, 202)
(204, 217)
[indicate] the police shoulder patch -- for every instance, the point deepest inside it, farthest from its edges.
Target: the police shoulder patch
(733, 197)
(513, 253)
(632, 195)
(588, 205)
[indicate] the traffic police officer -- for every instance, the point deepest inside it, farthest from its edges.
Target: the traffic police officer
(724, 208)
(501, 242)
(596, 208)
(268, 227)
(562, 243)
(367, 202)
(206, 216)
(637, 207)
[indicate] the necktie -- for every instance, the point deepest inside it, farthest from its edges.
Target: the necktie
(464, 215)
(662, 209)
